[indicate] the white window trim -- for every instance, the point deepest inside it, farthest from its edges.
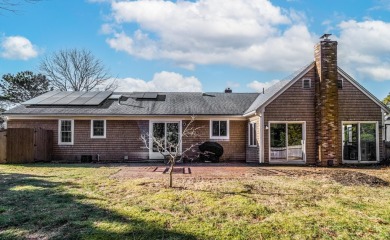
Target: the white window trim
(220, 137)
(303, 83)
(303, 148)
(249, 134)
(59, 132)
(104, 125)
(359, 147)
(386, 133)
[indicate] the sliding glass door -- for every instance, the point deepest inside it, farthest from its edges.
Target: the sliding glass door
(287, 142)
(360, 142)
(167, 137)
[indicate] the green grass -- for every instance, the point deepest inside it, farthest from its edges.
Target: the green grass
(51, 201)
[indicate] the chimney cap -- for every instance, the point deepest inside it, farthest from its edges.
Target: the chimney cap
(326, 36)
(228, 90)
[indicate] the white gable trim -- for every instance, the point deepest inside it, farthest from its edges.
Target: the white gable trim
(362, 89)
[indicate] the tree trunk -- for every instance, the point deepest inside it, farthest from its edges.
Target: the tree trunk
(171, 172)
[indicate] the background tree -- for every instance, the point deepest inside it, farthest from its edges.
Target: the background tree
(76, 70)
(170, 149)
(387, 100)
(2, 109)
(22, 87)
(12, 5)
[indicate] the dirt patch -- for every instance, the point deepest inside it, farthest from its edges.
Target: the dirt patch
(345, 176)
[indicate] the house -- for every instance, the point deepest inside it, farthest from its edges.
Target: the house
(320, 116)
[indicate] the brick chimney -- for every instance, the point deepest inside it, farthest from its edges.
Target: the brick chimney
(327, 116)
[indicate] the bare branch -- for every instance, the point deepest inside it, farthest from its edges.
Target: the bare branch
(76, 70)
(172, 148)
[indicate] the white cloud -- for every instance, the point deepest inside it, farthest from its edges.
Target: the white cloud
(161, 82)
(248, 33)
(18, 47)
(259, 86)
(364, 48)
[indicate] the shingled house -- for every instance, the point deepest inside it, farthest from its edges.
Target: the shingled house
(320, 116)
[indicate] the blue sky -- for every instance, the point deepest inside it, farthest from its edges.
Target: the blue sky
(204, 45)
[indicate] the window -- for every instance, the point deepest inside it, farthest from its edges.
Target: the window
(306, 83)
(65, 132)
(340, 84)
(98, 128)
(252, 134)
(360, 142)
(219, 129)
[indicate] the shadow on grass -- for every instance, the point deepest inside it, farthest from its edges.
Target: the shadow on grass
(34, 207)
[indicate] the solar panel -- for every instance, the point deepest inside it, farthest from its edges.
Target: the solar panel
(40, 98)
(66, 100)
(150, 95)
(99, 98)
(83, 99)
(54, 98)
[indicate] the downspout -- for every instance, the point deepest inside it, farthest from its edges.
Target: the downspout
(261, 147)
(383, 124)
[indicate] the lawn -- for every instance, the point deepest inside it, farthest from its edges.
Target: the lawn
(92, 201)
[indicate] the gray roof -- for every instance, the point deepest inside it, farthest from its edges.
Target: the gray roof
(175, 103)
(167, 103)
(268, 94)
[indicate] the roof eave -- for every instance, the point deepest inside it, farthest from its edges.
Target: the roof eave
(249, 114)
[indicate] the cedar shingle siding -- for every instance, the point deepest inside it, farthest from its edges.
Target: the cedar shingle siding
(356, 106)
(294, 104)
(123, 139)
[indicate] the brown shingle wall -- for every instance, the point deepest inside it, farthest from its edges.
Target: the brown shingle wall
(122, 139)
(356, 106)
(234, 148)
(295, 104)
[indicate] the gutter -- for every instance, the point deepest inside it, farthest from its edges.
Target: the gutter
(250, 113)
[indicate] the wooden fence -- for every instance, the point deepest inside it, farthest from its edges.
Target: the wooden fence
(25, 145)
(3, 146)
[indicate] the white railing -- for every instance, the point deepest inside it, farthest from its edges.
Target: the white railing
(294, 152)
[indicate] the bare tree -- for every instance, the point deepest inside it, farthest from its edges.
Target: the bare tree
(12, 5)
(171, 149)
(76, 70)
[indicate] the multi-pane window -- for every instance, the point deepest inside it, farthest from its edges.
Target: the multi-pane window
(252, 134)
(219, 129)
(98, 128)
(65, 135)
(306, 83)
